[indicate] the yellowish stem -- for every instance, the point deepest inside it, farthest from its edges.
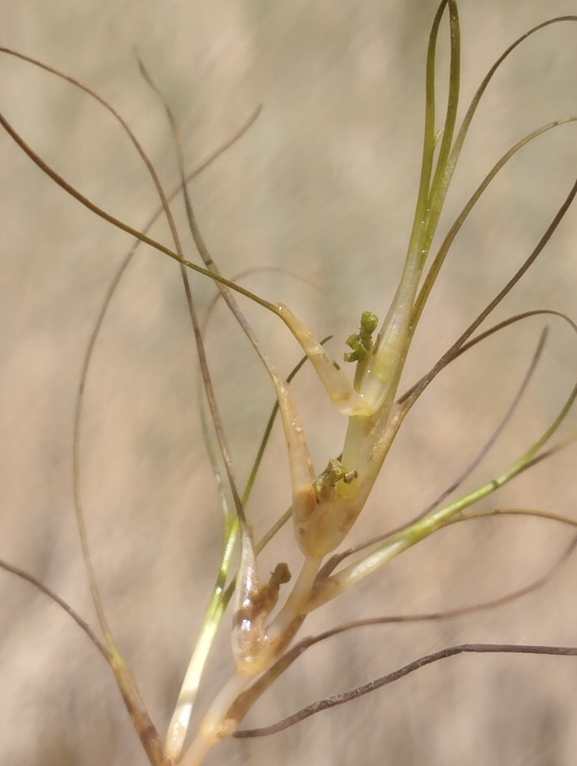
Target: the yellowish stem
(215, 725)
(299, 596)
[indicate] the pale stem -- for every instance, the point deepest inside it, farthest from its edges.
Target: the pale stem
(384, 370)
(299, 596)
(215, 725)
(363, 449)
(180, 721)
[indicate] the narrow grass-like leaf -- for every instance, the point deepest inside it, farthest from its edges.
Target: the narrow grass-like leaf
(439, 259)
(371, 686)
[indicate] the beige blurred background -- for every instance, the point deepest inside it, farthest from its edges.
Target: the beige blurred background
(323, 189)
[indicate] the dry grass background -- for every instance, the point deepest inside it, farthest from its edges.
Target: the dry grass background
(324, 187)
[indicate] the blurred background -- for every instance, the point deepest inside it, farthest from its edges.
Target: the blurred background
(315, 204)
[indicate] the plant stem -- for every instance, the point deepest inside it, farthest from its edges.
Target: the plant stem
(215, 724)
